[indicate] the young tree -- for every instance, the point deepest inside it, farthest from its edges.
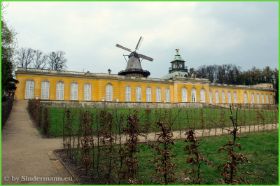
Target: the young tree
(57, 61)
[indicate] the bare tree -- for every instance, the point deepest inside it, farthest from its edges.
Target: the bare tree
(40, 60)
(57, 61)
(25, 57)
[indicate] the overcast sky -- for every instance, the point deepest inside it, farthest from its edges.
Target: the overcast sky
(245, 34)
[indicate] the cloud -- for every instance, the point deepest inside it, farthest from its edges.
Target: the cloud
(240, 33)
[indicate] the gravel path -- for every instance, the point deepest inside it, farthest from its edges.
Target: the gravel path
(26, 156)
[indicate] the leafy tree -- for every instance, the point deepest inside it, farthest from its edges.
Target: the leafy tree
(8, 82)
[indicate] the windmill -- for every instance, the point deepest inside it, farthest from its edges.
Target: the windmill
(133, 67)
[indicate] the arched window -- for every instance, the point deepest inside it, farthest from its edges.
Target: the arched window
(202, 95)
(258, 99)
(60, 91)
(127, 93)
(252, 98)
(87, 91)
(158, 95)
(271, 99)
(217, 97)
(262, 99)
(229, 97)
(267, 101)
(193, 95)
(167, 95)
(74, 91)
(210, 97)
(45, 90)
(138, 94)
(223, 97)
(29, 89)
(235, 97)
(109, 92)
(245, 98)
(148, 94)
(184, 95)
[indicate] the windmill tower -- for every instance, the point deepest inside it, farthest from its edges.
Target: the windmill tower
(133, 67)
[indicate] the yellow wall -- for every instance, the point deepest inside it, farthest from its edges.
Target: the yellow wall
(98, 85)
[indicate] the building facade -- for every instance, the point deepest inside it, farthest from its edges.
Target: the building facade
(175, 87)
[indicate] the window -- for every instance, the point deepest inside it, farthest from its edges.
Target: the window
(266, 97)
(60, 91)
(87, 92)
(29, 89)
(109, 92)
(223, 97)
(258, 99)
(210, 97)
(193, 95)
(245, 98)
(74, 91)
(45, 90)
(263, 99)
(252, 99)
(127, 93)
(184, 95)
(217, 97)
(138, 93)
(148, 94)
(229, 97)
(271, 99)
(234, 97)
(158, 95)
(202, 95)
(167, 95)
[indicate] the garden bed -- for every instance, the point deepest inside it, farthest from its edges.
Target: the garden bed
(260, 148)
(50, 120)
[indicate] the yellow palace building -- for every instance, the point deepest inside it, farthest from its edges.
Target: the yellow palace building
(133, 85)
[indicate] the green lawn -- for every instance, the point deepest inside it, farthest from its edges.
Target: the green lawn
(182, 118)
(260, 148)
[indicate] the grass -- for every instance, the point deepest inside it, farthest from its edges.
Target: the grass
(182, 118)
(260, 148)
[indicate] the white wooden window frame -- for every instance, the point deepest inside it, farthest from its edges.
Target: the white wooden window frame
(202, 96)
(210, 97)
(87, 92)
(167, 95)
(193, 95)
(29, 89)
(229, 97)
(138, 94)
(128, 93)
(59, 90)
(217, 97)
(45, 90)
(223, 97)
(252, 98)
(148, 94)
(74, 91)
(245, 96)
(158, 95)
(109, 92)
(235, 97)
(184, 94)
